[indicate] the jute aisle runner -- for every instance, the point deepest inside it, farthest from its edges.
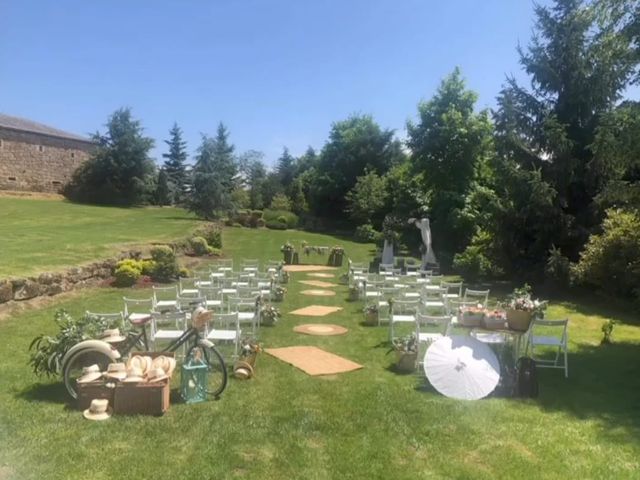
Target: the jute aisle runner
(313, 360)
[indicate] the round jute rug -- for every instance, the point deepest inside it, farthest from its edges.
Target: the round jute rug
(321, 329)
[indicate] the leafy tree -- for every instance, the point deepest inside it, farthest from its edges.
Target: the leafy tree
(213, 176)
(299, 204)
(175, 163)
(355, 144)
(163, 194)
(286, 169)
(450, 146)
(367, 198)
(306, 161)
(120, 171)
(270, 187)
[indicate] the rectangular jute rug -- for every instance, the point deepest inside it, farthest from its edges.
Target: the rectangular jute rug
(313, 360)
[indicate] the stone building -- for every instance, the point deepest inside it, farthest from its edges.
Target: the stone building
(38, 158)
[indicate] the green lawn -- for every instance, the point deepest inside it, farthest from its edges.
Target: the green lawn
(38, 235)
(370, 424)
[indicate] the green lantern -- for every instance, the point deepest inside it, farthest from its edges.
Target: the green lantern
(193, 379)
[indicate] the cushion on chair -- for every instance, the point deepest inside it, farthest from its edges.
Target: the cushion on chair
(167, 334)
(403, 318)
(222, 335)
(548, 341)
(429, 337)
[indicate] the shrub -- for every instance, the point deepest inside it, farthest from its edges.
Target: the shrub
(475, 262)
(276, 225)
(261, 223)
(147, 267)
(610, 261)
(126, 275)
(211, 233)
(166, 266)
(216, 252)
(557, 267)
(198, 246)
(281, 202)
(291, 219)
(367, 234)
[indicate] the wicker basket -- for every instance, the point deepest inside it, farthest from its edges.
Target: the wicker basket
(406, 361)
(142, 398)
(494, 323)
(91, 391)
(519, 320)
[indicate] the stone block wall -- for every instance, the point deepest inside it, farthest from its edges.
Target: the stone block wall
(39, 163)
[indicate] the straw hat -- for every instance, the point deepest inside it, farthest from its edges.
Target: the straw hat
(172, 366)
(98, 410)
(112, 336)
(90, 374)
(116, 371)
(134, 375)
(156, 375)
(200, 317)
(143, 362)
(242, 370)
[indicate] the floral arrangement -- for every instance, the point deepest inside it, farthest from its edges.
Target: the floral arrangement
(269, 314)
(278, 292)
(249, 347)
(370, 309)
(287, 247)
(521, 300)
(336, 250)
(407, 344)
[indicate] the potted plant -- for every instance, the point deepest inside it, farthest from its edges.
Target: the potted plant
(336, 255)
(521, 309)
(288, 251)
(277, 295)
(406, 349)
(354, 293)
(269, 315)
(371, 314)
(471, 316)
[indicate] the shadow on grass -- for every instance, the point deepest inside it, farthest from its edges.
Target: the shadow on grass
(45, 392)
(603, 385)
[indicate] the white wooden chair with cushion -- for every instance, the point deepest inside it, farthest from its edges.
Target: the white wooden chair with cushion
(272, 266)
(165, 298)
(248, 313)
(203, 278)
(166, 327)
(385, 269)
(540, 336)
(225, 327)
(137, 311)
(480, 297)
(249, 265)
(224, 265)
(453, 290)
(433, 298)
(402, 311)
(190, 303)
(430, 328)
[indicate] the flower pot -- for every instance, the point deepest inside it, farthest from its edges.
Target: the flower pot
(288, 257)
(371, 318)
(354, 294)
(519, 320)
(268, 321)
(278, 297)
(471, 319)
(406, 361)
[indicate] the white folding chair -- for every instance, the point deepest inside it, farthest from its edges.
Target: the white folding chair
(167, 326)
(386, 294)
(248, 312)
(453, 290)
(190, 303)
(137, 311)
(480, 297)
(225, 327)
(250, 265)
(402, 311)
(430, 328)
(165, 298)
(212, 296)
(187, 286)
(558, 343)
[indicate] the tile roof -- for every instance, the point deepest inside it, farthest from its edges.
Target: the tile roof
(21, 124)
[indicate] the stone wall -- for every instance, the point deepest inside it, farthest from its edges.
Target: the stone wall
(38, 163)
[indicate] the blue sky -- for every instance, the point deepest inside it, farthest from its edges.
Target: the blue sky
(276, 72)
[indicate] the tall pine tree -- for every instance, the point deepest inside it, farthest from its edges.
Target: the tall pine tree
(213, 176)
(175, 163)
(286, 169)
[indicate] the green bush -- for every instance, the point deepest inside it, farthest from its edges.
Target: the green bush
(198, 246)
(475, 261)
(558, 266)
(132, 263)
(126, 275)
(261, 223)
(367, 234)
(276, 225)
(211, 233)
(610, 260)
(216, 252)
(147, 267)
(281, 202)
(166, 266)
(274, 215)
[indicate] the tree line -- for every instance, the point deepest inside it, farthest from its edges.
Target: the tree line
(546, 183)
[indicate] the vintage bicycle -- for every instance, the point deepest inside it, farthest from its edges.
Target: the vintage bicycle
(90, 352)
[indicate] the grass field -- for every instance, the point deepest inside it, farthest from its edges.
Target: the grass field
(370, 424)
(39, 235)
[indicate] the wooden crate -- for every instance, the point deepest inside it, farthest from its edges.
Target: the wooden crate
(142, 398)
(91, 391)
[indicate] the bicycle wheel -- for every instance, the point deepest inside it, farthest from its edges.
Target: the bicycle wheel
(217, 374)
(83, 358)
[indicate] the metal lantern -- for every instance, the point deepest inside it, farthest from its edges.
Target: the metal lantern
(193, 379)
